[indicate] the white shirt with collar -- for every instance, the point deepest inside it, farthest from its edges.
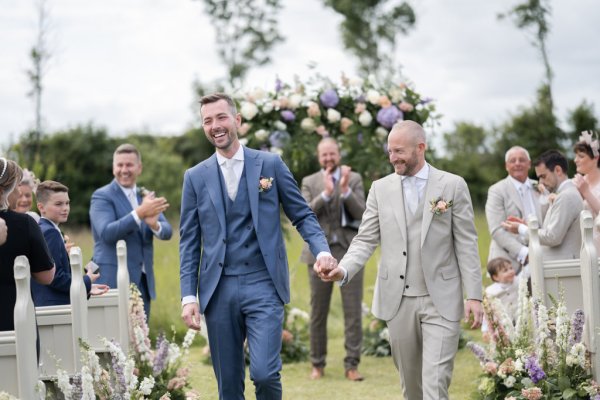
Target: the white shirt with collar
(421, 178)
(238, 164)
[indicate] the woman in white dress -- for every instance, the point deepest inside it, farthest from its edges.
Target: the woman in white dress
(587, 179)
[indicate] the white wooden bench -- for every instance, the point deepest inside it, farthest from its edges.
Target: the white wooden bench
(579, 278)
(108, 315)
(61, 327)
(18, 361)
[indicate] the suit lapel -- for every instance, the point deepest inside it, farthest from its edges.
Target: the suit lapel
(210, 175)
(397, 192)
(433, 190)
(121, 198)
(253, 166)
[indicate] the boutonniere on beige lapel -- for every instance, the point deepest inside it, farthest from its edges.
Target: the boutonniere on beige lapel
(539, 187)
(440, 205)
(264, 184)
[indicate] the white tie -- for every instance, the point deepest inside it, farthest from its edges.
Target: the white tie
(411, 193)
(230, 179)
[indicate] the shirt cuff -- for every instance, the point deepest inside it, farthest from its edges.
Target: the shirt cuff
(522, 256)
(157, 232)
(345, 278)
(346, 194)
(188, 300)
(325, 197)
(323, 253)
(523, 230)
(138, 221)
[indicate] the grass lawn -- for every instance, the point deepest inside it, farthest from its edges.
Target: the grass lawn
(381, 377)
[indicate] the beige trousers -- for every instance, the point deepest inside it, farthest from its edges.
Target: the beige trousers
(423, 348)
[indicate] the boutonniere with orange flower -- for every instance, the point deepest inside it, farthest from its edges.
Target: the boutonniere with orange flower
(142, 191)
(440, 205)
(264, 184)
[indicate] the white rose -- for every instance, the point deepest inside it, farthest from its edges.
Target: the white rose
(276, 150)
(243, 141)
(373, 96)
(365, 118)
(267, 107)
(308, 125)
(294, 101)
(518, 365)
(248, 110)
(510, 381)
(355, 82)
(261, 135)
(381, 132)
(280, 126)
(396, 94)
(257, 94)
(333, 115)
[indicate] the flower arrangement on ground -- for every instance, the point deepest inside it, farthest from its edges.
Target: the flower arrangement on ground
(541, 356)
(376, 338)
(145, 373)
(295, 335)
(359, 113)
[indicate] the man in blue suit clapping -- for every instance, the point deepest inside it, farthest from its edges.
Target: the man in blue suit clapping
(120, 211)
(233, 258)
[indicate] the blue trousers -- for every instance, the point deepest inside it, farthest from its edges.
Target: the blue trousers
(246, 307)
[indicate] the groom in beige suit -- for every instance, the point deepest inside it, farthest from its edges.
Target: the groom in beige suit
(423, 219)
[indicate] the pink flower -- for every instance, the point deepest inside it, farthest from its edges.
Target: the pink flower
(384, 101)
(490, 367)
(321, 130)
(313, 109)
(533, 393)
(345, 123)
(176, 383)
(360, 107)
(442, 206)
(244, 128)
(439, 206)
(287, 336)
(264, 184)
(405, 107)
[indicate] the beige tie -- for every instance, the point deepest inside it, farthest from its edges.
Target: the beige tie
(411, 193)
(230, 179)
(132, 198)
(526, 198)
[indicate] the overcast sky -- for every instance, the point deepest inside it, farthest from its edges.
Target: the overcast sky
(129, 65)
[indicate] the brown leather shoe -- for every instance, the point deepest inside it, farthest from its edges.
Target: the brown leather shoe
(354, 375)
(317, 373)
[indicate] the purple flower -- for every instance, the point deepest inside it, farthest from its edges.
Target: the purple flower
(536, 373)
(278, 85)
(329, 98)
(160, 357)
(360, 99)
(279, 139)
(478, 351)
(577, 321)
(388, 116)
(288, 116)
(426, 100)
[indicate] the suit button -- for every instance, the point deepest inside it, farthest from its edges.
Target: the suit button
(401, 276)
(224, 240)
(220, 264)
(245, 263)
(403, 253)
(246, 246)
(248, 227)
(407, 286)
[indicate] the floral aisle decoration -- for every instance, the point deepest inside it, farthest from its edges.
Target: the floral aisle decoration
(540, 356)
(376, 338)
(359, 113)
(145, 373)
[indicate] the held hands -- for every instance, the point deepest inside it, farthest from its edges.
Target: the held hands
(191, 316)
(326, 267)
(512, 224)
(474, 308)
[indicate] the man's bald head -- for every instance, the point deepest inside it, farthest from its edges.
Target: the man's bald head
(410, 130)
(406, 147)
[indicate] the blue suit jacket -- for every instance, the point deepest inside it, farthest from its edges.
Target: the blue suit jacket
(203, 230)
(58, 292)
(110, 215)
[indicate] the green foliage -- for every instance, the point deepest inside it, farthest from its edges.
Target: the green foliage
(376, 338)
(369, 30)
(245, 32)
(193, 147)
(534, 127)
(581, 118)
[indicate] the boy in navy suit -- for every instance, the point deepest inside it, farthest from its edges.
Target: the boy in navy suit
(54, 206)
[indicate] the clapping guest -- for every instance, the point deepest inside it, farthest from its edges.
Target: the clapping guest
(21, 199)
(587, 179)
(54, 205)
(25, 238)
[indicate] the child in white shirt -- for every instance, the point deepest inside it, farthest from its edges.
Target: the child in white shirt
(505, 286)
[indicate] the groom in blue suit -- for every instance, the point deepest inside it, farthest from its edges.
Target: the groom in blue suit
(120, 211)
(233, 258)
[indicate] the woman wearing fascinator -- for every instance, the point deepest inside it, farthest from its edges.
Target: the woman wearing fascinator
(587, 179)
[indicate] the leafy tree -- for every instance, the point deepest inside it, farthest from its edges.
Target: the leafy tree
(581, 118)
(469, 153)
(533, 15)
(369, 30)
(534, 127)
(245, 32)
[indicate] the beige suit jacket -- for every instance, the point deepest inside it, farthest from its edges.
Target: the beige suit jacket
(560, 235)
(449, 252)
(504, 201)
(329, 213)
